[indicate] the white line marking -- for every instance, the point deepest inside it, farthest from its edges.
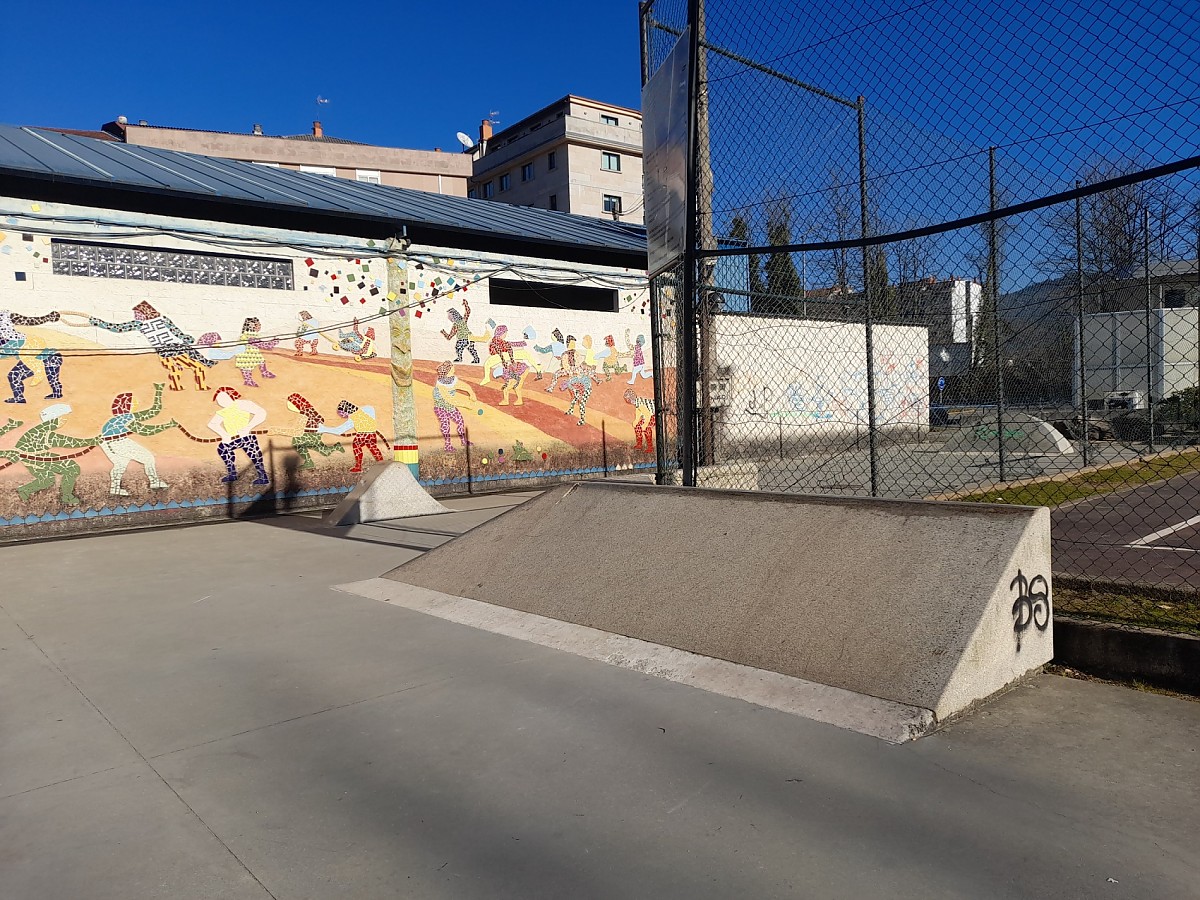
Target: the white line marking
(1151, 538)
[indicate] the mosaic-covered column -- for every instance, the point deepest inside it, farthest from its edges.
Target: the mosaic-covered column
(404, 411)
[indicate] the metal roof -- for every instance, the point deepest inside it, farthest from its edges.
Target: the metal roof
(105, 165)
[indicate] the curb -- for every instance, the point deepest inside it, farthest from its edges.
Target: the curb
(1126, 653)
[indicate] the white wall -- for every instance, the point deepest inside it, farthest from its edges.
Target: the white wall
(810, 378)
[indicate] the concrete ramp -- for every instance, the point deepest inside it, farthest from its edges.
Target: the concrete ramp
(388, 491)
(1024, 435)
(931, 606)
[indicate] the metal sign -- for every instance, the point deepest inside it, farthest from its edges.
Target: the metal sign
(941, 384)
(665, 158)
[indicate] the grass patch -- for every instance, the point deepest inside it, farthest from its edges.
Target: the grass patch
(1170, 609)
(1055, 491)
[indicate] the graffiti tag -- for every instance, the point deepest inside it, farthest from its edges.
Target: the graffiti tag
(1032, 606)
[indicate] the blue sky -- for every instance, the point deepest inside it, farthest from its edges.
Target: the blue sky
(406, 74)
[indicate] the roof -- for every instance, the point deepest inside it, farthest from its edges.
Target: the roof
(56, 166)
(80, 132)
(324, 139)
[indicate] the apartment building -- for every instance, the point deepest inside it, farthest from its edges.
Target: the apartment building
(576, 155)
(315, 153)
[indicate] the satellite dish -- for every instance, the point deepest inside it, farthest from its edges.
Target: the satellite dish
(465, 140)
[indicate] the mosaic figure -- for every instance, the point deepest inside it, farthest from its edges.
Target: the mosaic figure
(208, 342)
(514, 372)
(567, 359)
(517, 351)
(308, 440)
(580, 385)
(361, 423)
(251, 357)
(446, 404)
(234, 423)
(354, 341)
(174, 347)
(34, 450)
(612, 362)
(643, 420)
(460, 333)
(640, 366)
(520, 453)
(13, 342)
(306, 334)
(117, 443)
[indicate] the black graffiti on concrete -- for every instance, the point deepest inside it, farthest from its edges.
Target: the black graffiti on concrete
(1032, 606)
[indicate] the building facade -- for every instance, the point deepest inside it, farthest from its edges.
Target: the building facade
(186, 356)
(576, 155)
(316, 154)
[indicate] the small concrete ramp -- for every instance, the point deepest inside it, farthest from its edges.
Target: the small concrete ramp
(928, 607)
(1024, 435)
(386, 492)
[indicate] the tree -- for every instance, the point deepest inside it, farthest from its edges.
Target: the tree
(1112, 232)
(842, 205)
(740, 231)
(783, 281)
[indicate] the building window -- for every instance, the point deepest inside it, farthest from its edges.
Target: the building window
(612, 204)
(610, 162)
(489, 190)
(505, 181)
(318, 170)
(367, 176)
(472, 193)
(169, 266)
(552, 160)
(609, 120)
(554, 201)
(551, 296)
(527, 172)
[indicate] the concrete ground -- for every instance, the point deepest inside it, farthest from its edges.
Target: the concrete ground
(192, 712)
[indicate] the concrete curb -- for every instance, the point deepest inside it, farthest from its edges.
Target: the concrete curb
(1125, 652)
(887, 720)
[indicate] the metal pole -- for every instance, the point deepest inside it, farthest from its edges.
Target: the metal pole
(868, 310)
(644, 36)
(994, 289)
(660, 412)
(687, 304)
(1083, 412)
(803, 285)
(1149, 343)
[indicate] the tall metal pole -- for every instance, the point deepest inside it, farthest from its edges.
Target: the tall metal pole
(994, 289)
(1149, 337)
(660, 410)
(687, 305)
(868, 310)
(1083, 413)
(705, 266)
(644, 36)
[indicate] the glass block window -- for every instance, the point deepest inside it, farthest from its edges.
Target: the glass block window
(169, 266)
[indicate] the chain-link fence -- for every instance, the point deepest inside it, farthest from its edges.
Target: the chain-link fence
(949, 251)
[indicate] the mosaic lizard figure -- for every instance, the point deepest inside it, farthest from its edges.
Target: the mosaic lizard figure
(34, 450)
(173, 346)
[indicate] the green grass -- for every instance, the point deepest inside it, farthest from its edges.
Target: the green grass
(1170, 609)
(1049, 492)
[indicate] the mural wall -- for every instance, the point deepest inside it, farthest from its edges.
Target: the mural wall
(517, 392)
(157, 370)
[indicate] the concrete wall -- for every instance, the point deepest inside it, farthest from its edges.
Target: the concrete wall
(807, 380)
(57, 475)
(443, 173)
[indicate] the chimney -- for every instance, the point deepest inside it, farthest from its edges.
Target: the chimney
(257, 129)
(317, 130)
(485, 130)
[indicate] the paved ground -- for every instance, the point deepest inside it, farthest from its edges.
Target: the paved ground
(193, 713)
(1150, 534)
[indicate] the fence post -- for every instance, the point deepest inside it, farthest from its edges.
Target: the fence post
(688, 307)
(660, 412)
(868, 311)
(994, 288)
(1149, 338)
(1083, 411)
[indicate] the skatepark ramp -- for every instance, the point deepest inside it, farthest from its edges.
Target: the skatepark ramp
(928, 607)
